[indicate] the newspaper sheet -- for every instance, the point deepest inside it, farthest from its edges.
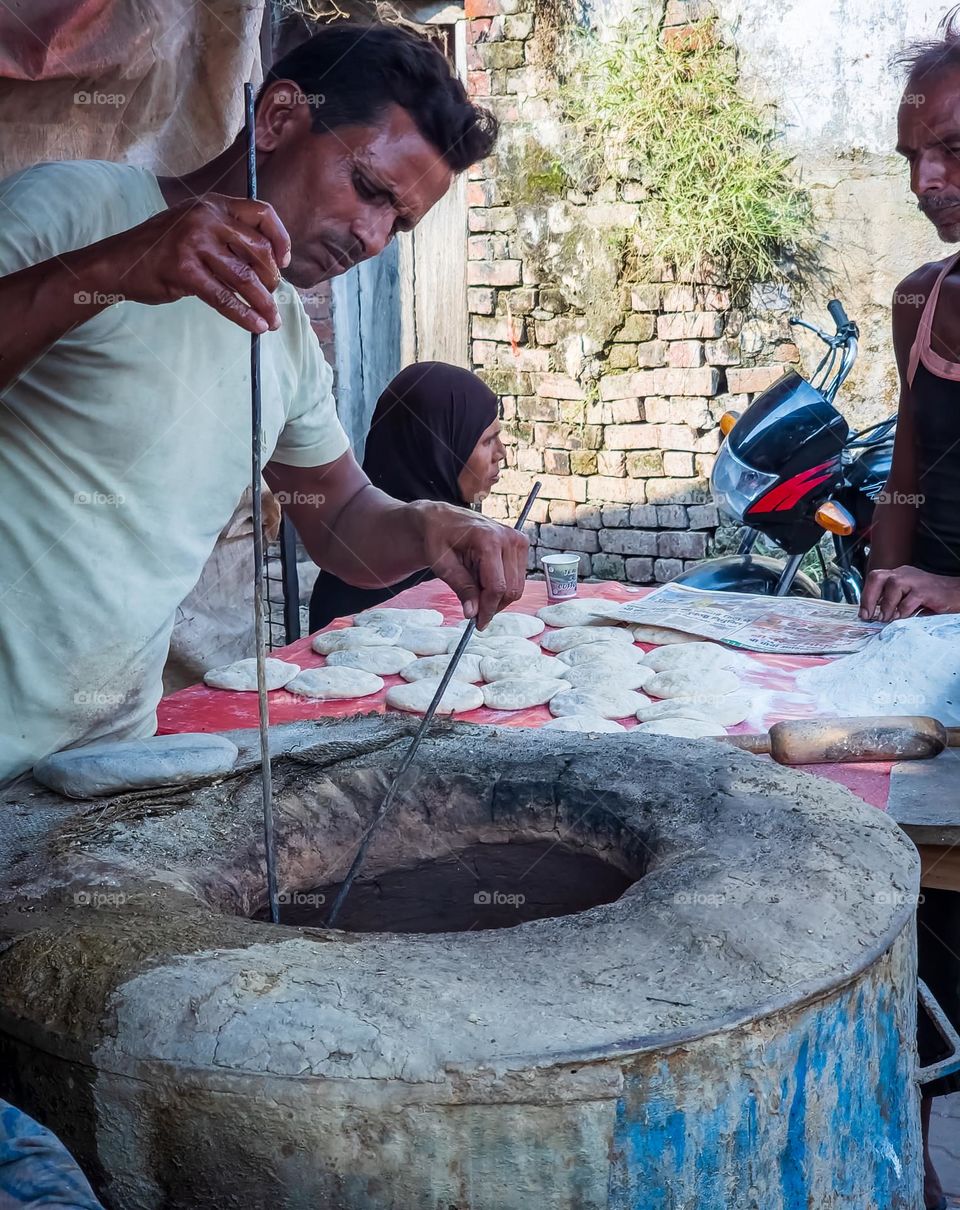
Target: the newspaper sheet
(776, 625)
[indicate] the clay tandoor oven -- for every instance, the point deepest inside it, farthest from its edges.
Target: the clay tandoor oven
(578, 973)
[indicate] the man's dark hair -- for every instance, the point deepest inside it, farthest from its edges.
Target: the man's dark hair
(350, 74)
(929, 55)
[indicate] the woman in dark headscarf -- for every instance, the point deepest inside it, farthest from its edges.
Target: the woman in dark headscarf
(435, 435)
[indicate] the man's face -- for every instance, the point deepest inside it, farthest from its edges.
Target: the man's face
(342, 195)
(928, 137)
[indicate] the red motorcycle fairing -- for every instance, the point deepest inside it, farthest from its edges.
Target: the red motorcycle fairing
(787, 495)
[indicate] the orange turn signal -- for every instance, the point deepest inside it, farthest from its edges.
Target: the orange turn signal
(834, 518)
(727, 421)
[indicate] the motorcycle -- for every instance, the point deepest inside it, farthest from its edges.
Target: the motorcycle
(790, 470)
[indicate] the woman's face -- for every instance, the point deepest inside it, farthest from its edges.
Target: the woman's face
(482, 469)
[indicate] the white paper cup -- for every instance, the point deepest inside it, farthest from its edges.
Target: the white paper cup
(561, 572)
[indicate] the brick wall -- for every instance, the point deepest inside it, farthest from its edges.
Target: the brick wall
(612, 387)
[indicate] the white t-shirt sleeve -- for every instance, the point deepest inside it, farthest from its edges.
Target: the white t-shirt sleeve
(312, 435)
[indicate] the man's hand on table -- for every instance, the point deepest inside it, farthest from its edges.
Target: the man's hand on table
(900, 592)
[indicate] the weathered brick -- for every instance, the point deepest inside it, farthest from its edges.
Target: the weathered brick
(677, 465)
(565, 487)
(705, 381)
(508, 407)
(570, 537)
(479, 83)
(643, 517)
(678, 491)
(538, 510)
(678, 410)
(633, 191)
(622, 357)
(559, 386)
(523, 82)
(494, 273)
(755, 378)
(518, 27)
(495, 507)
(568, 437)
(664, 570)
(583, 462)
(556, 462)
(611, 215)
(518, 302)
(616, 516)
(723, 352)
(525, 360)
(685, 354)
(630, 386)
(671, 516)
(484, 353)
(631, 436)
(624, 411)
(673, 436)
(639, 571)
(690, 325)
(483, 327)
(494, 218)
(679, 298)
(529, 407)
(611, 463)
(547, 331)
(562, 512)
(704, 464)
(530, 531)
(628, 542)
(645, 298)
(502, 55)
(703, 516)
(637, 327)
(613, 491)
(644, 464)
(682, 545)
(482, 193)
(584, 568)
(588, 516)
(652, 353)
(608, 567)
(480, 301)
(528, 458)
(709, 443)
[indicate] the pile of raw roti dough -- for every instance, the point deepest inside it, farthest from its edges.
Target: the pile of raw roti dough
(586, 669)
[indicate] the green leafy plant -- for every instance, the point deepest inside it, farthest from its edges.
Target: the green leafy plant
(721, 195)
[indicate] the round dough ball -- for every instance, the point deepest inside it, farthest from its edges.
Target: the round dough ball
(645, 632)
(728, 709)
(614, 654)
(576, 636)
(384, 661)
(467, 669)
(692, 657)
(402, 617)
(516, 625)
(415, 697)
(583, 722)
(331, 684)
(682, 728)
(378, 634)
(599, 675)
(609, 703)
(499, 645)
(499, 668)
(522, 692)
(670, 707)
(428, 640)
(706, 682)
(571, 613)
(241, 676)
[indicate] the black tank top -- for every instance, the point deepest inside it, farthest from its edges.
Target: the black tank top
(936, 395)
(936, 543)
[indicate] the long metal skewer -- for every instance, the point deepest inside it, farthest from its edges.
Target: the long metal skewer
(415, 742)
(256, 412)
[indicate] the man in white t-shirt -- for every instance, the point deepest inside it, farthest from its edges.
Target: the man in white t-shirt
(124, 370)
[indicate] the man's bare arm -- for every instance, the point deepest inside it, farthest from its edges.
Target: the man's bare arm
(371, 540)
(225, 251)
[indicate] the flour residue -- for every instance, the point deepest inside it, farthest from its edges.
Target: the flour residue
(911, 667)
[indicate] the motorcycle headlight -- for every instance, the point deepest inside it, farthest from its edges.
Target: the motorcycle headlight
(735, 485)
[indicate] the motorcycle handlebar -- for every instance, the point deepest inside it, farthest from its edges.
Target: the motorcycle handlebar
(837, 313)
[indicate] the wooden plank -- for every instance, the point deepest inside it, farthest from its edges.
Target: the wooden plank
(940, 866)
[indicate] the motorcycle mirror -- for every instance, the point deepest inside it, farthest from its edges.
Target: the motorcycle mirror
(727, 421)
(834, 518)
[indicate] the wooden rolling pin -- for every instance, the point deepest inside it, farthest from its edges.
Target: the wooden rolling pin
(841, 740)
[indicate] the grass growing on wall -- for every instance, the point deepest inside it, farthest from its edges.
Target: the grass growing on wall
(721, 194)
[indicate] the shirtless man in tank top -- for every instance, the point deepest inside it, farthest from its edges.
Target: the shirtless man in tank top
(915, 542)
